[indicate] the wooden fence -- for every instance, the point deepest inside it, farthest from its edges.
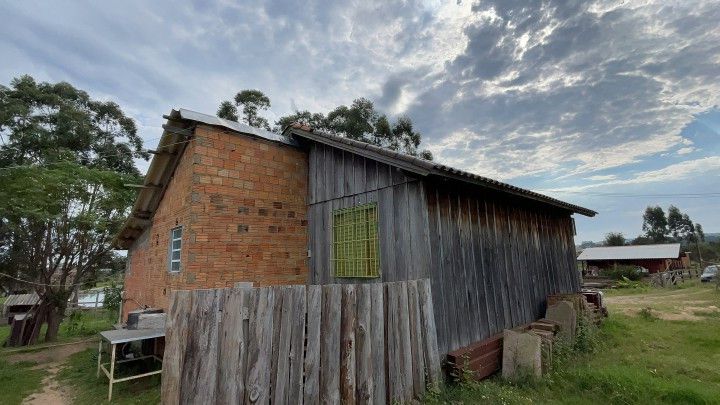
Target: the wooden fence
(365, 343)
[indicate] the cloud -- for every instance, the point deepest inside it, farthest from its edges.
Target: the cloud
(572, 88)
(707, 168)
(685, 150)
(601, 177)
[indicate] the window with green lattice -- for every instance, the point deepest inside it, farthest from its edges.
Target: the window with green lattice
(355, 241)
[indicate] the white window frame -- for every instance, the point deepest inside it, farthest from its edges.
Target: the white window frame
(173, 239)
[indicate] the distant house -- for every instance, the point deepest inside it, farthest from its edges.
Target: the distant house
(224, 203)
(655, 258)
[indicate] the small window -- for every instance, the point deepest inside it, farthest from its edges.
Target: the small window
(175, 246)
(355, 241)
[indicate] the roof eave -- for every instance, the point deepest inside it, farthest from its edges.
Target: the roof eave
(425, 168)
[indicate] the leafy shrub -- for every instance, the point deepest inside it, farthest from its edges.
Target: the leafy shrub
(113, 297)
(627, 283)
(623, 272)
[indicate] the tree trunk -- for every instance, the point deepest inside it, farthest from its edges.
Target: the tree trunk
(54, 318)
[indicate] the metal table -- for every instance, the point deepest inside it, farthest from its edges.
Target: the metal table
(119, 336)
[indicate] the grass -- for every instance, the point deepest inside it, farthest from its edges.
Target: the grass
(17, 381)
(79, 373)
(641, 359)
(77, 326)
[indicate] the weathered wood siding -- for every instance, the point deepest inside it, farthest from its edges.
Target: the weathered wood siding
(364, 343)
(339, 179)
(492, 258)
(497, 259)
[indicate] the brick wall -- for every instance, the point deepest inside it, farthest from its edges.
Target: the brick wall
(242, 204)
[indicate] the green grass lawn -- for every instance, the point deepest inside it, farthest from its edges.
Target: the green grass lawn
(17, 381)
(641, 359)
(79, 373)
(657, 347)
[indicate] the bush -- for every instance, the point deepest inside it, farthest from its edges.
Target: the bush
(113, 297)
(631, 273)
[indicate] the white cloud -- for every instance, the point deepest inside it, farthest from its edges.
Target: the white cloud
(707, 167)
(685, 150)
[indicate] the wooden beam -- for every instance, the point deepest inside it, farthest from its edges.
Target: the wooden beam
(177, 130)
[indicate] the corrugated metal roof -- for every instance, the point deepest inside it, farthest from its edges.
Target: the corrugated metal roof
(21, 299)
(425, 167)
(190, 115)
(181, 122)
(665, 251)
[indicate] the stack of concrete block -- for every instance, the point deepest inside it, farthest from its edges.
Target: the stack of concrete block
(522, 355)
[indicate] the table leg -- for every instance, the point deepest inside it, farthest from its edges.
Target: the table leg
(112, 372)
(99, 358)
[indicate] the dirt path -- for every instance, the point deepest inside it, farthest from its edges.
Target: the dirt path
(50, 360)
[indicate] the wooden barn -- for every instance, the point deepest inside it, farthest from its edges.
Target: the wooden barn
(225, 203)
(655, 258)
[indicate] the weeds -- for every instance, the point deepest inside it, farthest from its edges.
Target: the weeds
(647, 314)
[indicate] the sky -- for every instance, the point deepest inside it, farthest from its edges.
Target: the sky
(612, 105)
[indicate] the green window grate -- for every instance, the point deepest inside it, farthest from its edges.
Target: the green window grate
(355, 241)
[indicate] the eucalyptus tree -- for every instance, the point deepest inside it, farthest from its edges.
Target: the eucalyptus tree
(64, 161)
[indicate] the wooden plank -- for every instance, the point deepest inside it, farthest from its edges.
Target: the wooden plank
(330, 347)
(429, 333)
(198, 378)
(176, 331)
(392, 335)
(417, 260)
(448, 272)
(297, 343)
(281, 344)
(260, 346)
(377, 331)
(349, 174)
(339, 181)
(406, 363)
(472, 283)
(347, 348)
(437, 272)
(363, 344)
(416, 340)
(495, 308)
(312, 170)
(311, 389)
(232, 347)
(359, 174)
(401, 241)
(371, 174)
(328, 173)
(386, 234)
(502, 285)
(480, 278)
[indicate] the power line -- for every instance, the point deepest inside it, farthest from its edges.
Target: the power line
(40, 284)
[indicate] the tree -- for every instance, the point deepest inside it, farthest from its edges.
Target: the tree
(614, 239)
(228, 111)
(313, 120)
(63, 164)
(655, 224)
(699, 232)
(679, 224)
(360, 121)
(252, 102)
